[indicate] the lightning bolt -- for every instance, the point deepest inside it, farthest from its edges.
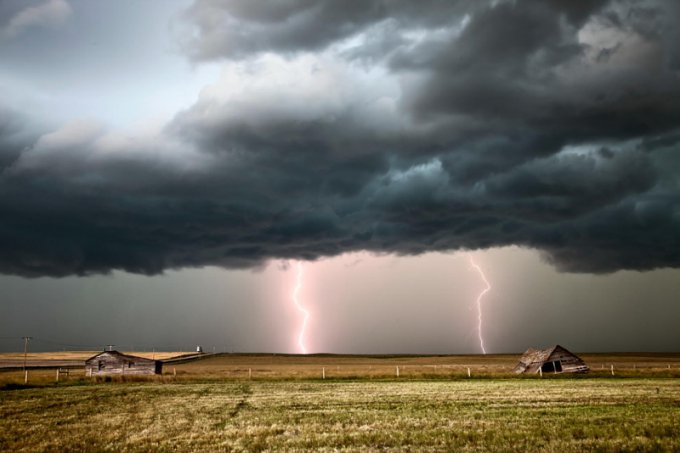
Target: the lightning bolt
(479, 302)
(300, 308)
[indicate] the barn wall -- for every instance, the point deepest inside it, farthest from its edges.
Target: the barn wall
(117, 364)
(534, 359)
(570, 363)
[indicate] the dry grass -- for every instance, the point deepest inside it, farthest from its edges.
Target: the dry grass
(236, 366)
(277, 367)
(33, 357)
(462, 415)
(212, 404)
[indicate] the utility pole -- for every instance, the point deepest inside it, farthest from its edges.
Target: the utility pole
(26, 339)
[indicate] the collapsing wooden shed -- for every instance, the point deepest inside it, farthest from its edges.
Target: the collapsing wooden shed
(552, 360)
(109, 363)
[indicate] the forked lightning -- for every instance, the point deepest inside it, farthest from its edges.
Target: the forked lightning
(479, 302)
(301, 308)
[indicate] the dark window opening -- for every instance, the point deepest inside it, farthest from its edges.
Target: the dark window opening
(130, 364)
(101, 365)
(552, 367)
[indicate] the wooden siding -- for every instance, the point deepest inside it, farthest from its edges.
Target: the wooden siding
(552, 360)
(110, 363)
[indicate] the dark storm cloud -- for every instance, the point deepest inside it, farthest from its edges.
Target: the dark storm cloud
(13, 137)
(238, 28)
(227, 28)
(512, 127)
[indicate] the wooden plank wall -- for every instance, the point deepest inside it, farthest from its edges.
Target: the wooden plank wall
(117, 364)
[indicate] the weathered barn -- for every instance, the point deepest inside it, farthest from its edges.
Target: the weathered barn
(110, 363)
(552, 360)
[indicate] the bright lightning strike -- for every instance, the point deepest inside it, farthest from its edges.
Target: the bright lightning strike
(301, 309)
(479, 302)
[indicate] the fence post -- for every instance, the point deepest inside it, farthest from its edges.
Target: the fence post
(57, 375)
(469, 375)
(323, 373)
(540, 371)
(250, 373)
(26, 377)
(397, 371)
(612, 370)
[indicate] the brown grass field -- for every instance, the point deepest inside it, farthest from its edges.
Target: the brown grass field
(265, 402)
(310, 367)
(33, 358)
(285, 366)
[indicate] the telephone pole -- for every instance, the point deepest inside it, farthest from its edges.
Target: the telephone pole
(26, 339)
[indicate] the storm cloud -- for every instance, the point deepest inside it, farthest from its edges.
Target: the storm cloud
(379, 126)
(22, 16)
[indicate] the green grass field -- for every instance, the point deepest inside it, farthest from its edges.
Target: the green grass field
(211, 406)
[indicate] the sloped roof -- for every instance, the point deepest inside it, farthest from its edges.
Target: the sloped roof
(121, 355)
(532, 355)
(533, 359)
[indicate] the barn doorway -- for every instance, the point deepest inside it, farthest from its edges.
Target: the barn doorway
(552, 367)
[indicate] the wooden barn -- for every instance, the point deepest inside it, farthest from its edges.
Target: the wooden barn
(552, 360)
(109, 363)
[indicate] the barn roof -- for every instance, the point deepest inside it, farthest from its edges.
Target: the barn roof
(123, 356)
(533, 359)
(532, 355)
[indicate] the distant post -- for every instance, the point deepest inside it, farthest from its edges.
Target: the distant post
(612, 370)
(323, 373)
(397, 371)
(469, 374)
(250, 373)
(26, 339)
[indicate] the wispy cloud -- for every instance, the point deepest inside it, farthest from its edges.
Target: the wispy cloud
(51, 13)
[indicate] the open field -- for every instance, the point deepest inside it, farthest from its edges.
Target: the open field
(356, 367)
(66, 358)
(282, 366)
(280, 402)
(462, 415)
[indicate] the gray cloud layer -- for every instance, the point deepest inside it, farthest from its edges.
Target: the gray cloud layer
(553, 125)
(18, 17)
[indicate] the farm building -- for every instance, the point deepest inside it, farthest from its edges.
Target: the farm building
(552, 360)
(110, 363)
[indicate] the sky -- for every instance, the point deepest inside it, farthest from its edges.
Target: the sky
(178, 172)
